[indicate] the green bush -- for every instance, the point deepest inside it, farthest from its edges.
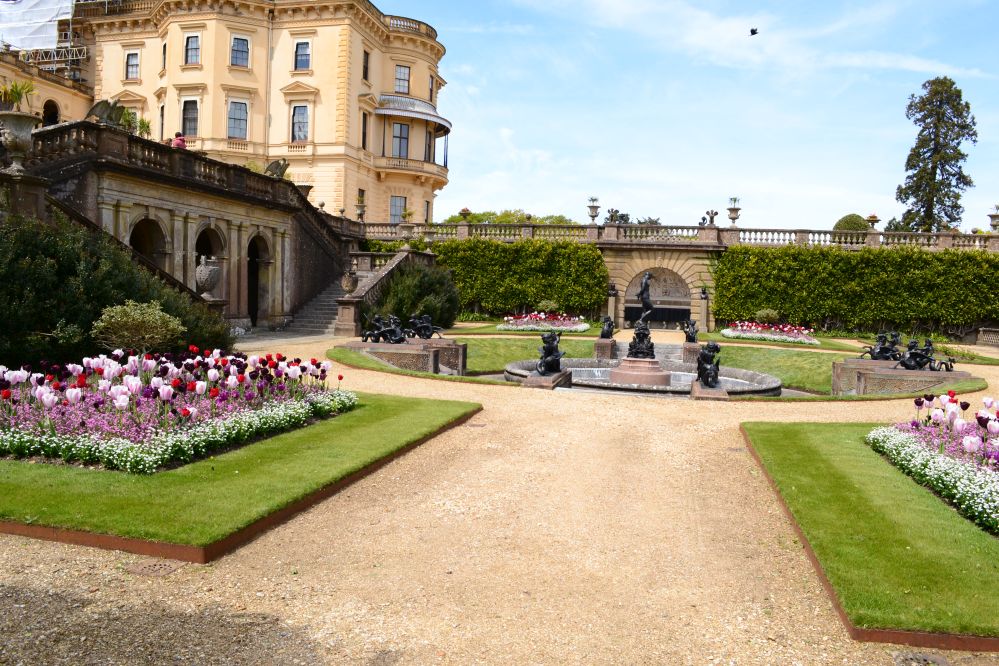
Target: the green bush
(509, 277)
(142, 326)
(547, 305)
(418, 289)
(374, 245)
(870, 289)
(55, 280)
(767, 316)
(851, 222)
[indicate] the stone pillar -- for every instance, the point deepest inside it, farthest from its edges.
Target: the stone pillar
(945, 240)
(873, 239)
(708, 234)
(279, 312)
(190, 255)
(801, 238)
(462, 230)
(26, 195)
(105, 217)
(237, 272)
(175, 265)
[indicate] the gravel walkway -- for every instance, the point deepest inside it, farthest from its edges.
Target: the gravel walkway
(554, 527)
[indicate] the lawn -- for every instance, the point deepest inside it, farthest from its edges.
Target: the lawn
(897, 556)
(491, 355)
(355, 359)
(205, 501)
(797, 369)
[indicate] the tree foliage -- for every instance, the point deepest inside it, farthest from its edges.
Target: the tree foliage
(55, 280)
(508, 216)
(415, 289)
(510, 277)
(869, 289)
(935, 179)
(851, 222)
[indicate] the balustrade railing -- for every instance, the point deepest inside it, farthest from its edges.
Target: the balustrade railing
(677, 235)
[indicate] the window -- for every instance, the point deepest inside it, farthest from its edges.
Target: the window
(364, 65)
(428, 148)
(163, 66)
(396, 206)
(299, 123)
(360, 195)
(303, 59)
(431, 98)
(364, 130)
(402, 79)
(239, 55)
(400, 140)
(132, 66)
(237, 120)
(192, 50)
(162, 121)
(189, 118)
(426, 212)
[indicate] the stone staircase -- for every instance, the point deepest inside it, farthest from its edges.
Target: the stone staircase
(318, 316)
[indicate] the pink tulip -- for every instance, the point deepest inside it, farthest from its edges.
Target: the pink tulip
(133, 384)
(937, 415)
(156, 382)
(971, 443)
(121, 402)
(103, 386)
(200, 387)
(166, 393)
(993, 427)
(73, 395)
(959, 424)
(988, 402)
(50, 400)
(213, 375)
(231, 382)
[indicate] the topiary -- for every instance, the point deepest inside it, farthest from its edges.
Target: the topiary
(851, 222)
(142, 326)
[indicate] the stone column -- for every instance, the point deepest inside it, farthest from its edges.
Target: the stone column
(175, 264)
(237, 272)
(190, 258)
(105, 217)
(279, 311)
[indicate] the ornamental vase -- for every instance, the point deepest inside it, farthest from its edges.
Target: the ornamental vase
(207, 276)
(16, 136)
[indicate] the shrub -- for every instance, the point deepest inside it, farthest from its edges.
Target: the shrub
(511, 277)
(767, 316)
(418, 289)
(547, 306)
(55, 280)
(142, 326)
(851, 222)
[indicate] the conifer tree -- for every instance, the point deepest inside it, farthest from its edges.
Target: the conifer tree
(935, 179)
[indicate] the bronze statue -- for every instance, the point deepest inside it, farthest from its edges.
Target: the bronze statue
(643, 294)
(707, 365)
(382, 331)
(277, 168)
(690, 330)
(551, 357)
(421, 326)
(916, 358)
(607, 331)
(882, 349)
(641, 345)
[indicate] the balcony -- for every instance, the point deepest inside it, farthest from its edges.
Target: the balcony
(401, 165)
(410, 107)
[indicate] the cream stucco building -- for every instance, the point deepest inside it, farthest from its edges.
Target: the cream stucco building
(342, 91)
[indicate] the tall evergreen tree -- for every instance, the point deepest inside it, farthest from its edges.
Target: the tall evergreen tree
(935, 180)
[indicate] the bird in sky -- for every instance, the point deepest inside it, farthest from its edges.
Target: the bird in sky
(753, 32)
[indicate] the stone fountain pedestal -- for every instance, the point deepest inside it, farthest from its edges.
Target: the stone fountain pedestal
(640, 372)
(560, 379)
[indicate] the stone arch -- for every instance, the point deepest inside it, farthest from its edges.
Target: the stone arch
(258, 277)
(50, 113)
(209, 243)
(148, 238)
(626, 266)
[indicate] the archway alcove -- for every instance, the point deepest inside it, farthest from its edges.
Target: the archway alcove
(208, 245)
(257, 280)
(148, 240)
(50, 113)
(670, 295)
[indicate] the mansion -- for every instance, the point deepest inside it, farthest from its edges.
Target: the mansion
(346, 94)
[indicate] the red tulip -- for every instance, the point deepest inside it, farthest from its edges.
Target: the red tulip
(339, 378)
(176, 382)
(5, 394)
(951, 393)
(214, 392)
(193, 349)
(191, 386)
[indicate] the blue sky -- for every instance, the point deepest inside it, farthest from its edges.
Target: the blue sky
(667, 108)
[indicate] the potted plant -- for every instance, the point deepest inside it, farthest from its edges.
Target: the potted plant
(733, 209)
(406, 227)
(994, 219)
(464, 212)
(17, 125)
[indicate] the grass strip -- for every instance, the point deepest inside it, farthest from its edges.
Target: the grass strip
(487, 355)
(206, 501)
(897, 555)
(802, 370)
(964, 386)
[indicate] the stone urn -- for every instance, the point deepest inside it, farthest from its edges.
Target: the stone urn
(207, 276)
(16, 136)
(994, 221)
(348, 282)
(733, 214)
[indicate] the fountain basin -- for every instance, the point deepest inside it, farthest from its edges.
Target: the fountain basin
(596, 373)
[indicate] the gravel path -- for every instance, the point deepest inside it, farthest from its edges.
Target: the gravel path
(554, 527)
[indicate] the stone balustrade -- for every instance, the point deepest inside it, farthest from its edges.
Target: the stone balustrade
(667, 235)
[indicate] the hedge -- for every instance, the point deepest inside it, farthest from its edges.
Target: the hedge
(870, 289)
(510, 277)
(415, 289)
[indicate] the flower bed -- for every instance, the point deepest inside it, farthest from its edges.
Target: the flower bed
(140, 414)
(545, 322)
(956, 458)
(751, 330)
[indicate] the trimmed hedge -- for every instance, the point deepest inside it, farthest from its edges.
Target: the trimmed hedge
(510, 277)
(869, 289)
(55, 280)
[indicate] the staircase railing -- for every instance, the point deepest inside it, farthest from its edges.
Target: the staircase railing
(368, 290)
